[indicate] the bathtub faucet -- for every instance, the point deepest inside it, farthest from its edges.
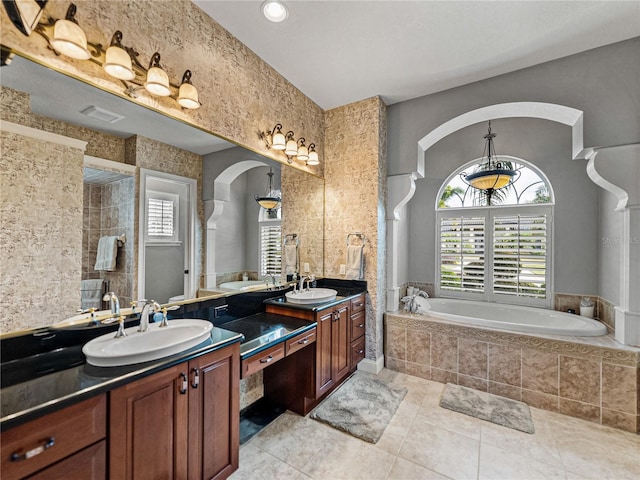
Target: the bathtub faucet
(410, 301)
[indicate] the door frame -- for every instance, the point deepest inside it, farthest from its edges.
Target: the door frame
(190, 281)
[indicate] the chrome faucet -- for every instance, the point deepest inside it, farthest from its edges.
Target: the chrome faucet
(114, 303)
(150, 306)
(301, 285)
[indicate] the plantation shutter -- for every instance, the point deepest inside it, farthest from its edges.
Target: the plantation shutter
(520, 255)
(462, 254)
(270, 250)
(160, 218)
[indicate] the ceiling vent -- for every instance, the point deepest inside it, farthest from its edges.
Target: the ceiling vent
(102, 114)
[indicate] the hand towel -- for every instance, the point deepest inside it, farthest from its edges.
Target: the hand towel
(107, 252)
(355, 262)
(290, 259)
(91, 294)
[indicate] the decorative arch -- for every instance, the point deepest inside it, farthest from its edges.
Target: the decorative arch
(221, 195)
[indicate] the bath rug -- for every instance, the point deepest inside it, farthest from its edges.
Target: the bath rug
(489, 407)
(363, 407)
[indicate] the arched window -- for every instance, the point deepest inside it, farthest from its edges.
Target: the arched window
(497, 246)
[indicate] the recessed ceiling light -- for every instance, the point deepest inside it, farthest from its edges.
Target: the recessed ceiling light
(275, 10)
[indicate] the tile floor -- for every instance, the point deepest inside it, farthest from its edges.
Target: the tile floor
(424, 441)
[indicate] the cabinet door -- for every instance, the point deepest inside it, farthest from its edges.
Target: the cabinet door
(148, 427)
(324, 377)
(341, 351)
(214, 416)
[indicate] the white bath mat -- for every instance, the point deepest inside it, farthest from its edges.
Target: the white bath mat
(489, 407)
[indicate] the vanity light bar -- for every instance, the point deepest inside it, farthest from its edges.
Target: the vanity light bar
(66, 37)
(274, 139)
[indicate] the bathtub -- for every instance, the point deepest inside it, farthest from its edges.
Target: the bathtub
(242, 285)
(511, 317)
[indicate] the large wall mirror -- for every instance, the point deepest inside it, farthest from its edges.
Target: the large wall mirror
(125, 139)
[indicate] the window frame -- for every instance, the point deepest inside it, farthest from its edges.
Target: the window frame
(489, 214)
(163, 240)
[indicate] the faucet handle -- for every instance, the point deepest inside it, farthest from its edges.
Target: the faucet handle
(165, 321)
(121, 332)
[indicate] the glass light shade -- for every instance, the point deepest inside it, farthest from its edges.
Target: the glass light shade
(70, 40)
(291, 149)
(117, 63)
(275, 11)
(303, 153)
(25, 14)
(188, 96)
(277, 141)
(157, 82)
(313, 158)
(268, 203)
(490, 180)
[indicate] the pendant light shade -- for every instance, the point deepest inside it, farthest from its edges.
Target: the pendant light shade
(117, 61)
(25, 14)
(188, 94)
(291, 148)
(271, 199)
(68, 37)
(302, 152)
(157, 79)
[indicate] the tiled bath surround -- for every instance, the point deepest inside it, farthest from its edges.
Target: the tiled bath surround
(584, 380)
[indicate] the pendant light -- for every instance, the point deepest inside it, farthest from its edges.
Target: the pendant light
(313, 155)
(291, 148)
(302, 152)
(25, 14)
(68, 37)
(271, 199)
(491, 174)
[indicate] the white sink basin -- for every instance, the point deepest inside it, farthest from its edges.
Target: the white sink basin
(314, 295)
(138, 347)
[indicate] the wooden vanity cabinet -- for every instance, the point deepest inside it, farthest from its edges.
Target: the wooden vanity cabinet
(67, 444)
(182, 422)
(358, 329)
(332, 353)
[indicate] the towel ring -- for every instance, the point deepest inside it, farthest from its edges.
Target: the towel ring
(361, 236)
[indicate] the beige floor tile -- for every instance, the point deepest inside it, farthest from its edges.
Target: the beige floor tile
(395, 433)
(441, 450)
(256, 464)
(540, 446)
(348, 458)
(496, 463)
(406, 470)
(294, 439)
(454, 421)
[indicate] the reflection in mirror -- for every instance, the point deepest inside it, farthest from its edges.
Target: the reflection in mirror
(108, 211)
(135, 137)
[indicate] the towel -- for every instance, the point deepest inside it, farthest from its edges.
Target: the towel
(290, 259)
(355, 262)
(107, 252)
(91, 294)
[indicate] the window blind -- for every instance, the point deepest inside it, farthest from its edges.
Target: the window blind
(160, 217)
(270, 250)
(520, 255)
(462, 254)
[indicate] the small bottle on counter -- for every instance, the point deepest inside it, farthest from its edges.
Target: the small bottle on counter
(586, 307)
(245, 277)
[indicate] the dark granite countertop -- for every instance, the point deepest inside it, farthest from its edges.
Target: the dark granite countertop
(50, 392)
(347, 289)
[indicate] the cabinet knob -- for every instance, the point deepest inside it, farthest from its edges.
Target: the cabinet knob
(185, 383)
(266, 360)
(360, 352)
(48, 443)
(196, 378)
(304, 341)
(361, 325)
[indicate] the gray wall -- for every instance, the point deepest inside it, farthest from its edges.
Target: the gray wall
(603, 83)
(610, 240)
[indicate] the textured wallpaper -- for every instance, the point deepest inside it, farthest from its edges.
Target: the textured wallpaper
(41, 262)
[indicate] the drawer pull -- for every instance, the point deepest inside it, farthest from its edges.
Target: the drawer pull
(196, 378)
(360, 352)
(48, 443)
(185, 383)
(359, 304)
(361, 325)
(266, 360)
(304, 341)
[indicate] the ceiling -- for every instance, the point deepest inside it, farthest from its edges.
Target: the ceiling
(338, 52)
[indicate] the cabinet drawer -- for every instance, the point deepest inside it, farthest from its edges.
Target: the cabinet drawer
(45, 440)
(300, 341)
(357, 352)
(358, 325)
(262, 360)
(87, 464)
(357, 304)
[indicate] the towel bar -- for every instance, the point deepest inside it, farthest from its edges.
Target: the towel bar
(360, 235)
